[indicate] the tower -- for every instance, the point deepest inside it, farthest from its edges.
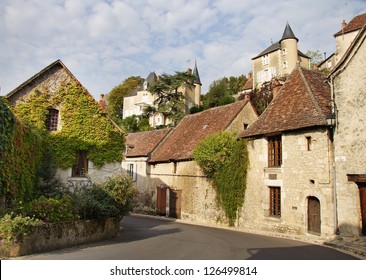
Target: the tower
(289, 51)
(197, 85)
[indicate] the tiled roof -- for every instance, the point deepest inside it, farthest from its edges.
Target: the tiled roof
(192, 129)
(141, 144)
(249, 84)
(356, 23)
(301, 103)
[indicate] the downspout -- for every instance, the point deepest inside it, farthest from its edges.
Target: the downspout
(335, 210)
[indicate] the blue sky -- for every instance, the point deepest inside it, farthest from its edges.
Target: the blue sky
(105, 42)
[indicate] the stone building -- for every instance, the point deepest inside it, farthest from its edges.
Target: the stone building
(290, 179)
(48, 82)
(279, 59)
(348, 84)
(135, 102)
(139, 146)
(182, 190)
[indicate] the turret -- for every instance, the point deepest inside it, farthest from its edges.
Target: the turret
(197, 85)
(288, 45)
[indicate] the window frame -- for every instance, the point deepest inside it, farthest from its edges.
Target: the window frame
(52, 119)
(275, 201)
(274, 151)
(80, 168)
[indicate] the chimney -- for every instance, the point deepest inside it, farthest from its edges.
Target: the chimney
(344, 24)
(276, 86)
(189, 71)
(250, 75)
(102, 103)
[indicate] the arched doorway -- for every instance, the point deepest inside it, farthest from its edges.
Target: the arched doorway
(314, 217)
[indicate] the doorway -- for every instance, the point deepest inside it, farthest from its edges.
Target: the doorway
(314, 218)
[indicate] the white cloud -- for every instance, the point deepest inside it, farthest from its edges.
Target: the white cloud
(104, 42)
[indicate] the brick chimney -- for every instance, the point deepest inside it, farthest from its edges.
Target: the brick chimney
(344, 24)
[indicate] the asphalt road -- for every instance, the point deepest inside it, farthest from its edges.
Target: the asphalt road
(145, 238)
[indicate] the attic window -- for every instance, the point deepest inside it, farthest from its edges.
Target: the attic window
(245, 125)
(52, 120)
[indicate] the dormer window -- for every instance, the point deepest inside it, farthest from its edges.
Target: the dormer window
(52, 120)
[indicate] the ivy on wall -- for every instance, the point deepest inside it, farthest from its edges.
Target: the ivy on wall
(21, 156)
(83, 125)
(224, 159)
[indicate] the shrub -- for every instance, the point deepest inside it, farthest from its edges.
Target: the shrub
(50, 210)
(16, 227)
(112, 198)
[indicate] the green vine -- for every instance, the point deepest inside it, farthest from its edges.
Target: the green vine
(224, 159)
(84, 126)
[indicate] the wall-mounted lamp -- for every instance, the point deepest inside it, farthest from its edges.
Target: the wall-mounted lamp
(332, 115)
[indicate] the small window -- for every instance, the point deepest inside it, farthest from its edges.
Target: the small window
(245, 125)
(275, 201)
(52, 120)
(284, 51)
(285, 64)
(131, 171)
(175, 168)
(265, 59)
(80, 168)
(275, 151)
(308, 143)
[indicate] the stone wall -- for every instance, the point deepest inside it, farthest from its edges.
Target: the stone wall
(350, 139)
(55, 236)
(304, 173)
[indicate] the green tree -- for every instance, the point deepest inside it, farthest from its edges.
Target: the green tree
(315, 57)
(116, 95)
(170, 101)
(222, 91)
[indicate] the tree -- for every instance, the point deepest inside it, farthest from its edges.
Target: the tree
(116, 95)
(222, 91)
(315, 57)
(170, 101)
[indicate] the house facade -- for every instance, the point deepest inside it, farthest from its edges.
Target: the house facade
(348, 83)
(279, 59)
(86, 142)
(139, 146)
(135, 102)
(182, 190)
(290, 179)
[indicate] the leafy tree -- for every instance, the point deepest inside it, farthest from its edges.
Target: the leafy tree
(116, 95)
(315, 57)
(170, 101)
(221, 91)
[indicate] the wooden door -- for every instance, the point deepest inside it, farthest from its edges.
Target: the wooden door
(314, 218)
(160, 201)
(362, 189)
(175, 203)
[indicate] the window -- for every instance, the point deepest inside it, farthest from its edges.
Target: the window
(275, 201)
(245, 125)
(265, 59)
(52, 120)
(274, 151)
(131, 171)
(285, 64)
(80, 168)
(308, 143)
(284, 51)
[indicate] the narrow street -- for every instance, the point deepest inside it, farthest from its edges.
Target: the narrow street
(145, 238)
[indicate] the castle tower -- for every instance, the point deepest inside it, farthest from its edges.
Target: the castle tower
(197, 85)
(288, 46)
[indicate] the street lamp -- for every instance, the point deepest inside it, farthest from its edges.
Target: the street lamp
(331, 116)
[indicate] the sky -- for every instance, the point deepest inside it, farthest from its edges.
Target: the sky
(104, 42)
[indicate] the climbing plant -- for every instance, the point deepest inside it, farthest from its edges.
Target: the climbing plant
(224, 159)
(84, 125)
(21, 156)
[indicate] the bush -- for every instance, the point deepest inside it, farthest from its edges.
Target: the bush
(16, 227)
(112, 198)
(50, 210)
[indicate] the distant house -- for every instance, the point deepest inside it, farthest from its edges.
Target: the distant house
(86, 142)
(182, 190)
(139, 146)
(279, 59)
(135, 102)
(348, 81)
(290, 179)
(344, 38)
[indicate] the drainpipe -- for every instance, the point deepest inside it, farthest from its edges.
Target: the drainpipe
(336, 228)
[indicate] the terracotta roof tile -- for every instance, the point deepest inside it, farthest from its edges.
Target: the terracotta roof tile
(141, 144)
(356, 23)
(192, 129)
(301, 103)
